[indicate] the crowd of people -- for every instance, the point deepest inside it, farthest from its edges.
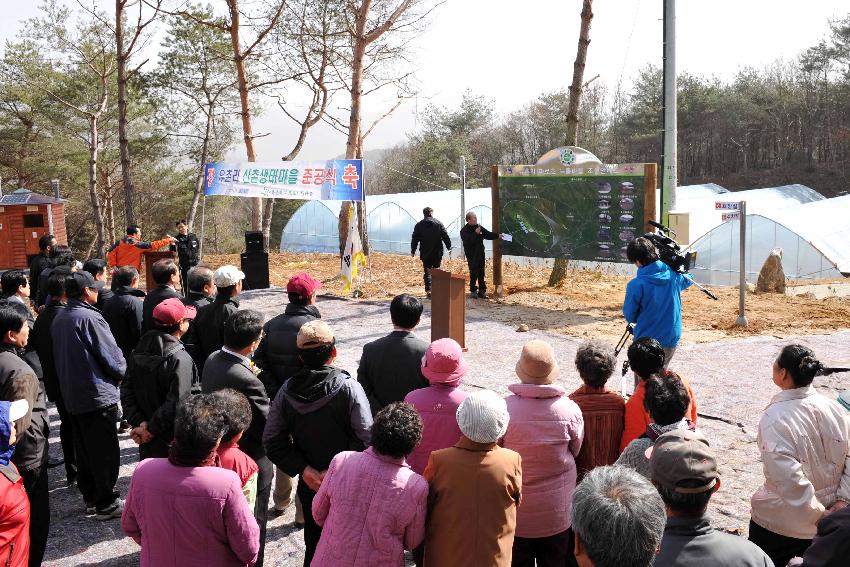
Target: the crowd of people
(237, 418)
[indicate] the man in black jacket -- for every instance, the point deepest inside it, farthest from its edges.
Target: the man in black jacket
(166, 276)
(159, 374)
(231, 367)
(391, 367)
(429, 235)
(209, 324)
(472, 235)
(97, 268)
(18, 381)
(42, 261)
(188, 253)
(41, 339)
(319, 412)
(123, 311)
(277, 356)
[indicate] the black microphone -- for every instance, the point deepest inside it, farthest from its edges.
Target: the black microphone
(657, 225)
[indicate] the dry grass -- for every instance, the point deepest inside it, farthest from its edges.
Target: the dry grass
(587, 303)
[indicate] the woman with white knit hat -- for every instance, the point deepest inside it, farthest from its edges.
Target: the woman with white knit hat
(474, 490)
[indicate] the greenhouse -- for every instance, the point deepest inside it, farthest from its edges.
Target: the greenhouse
(812, 231)
(389, 218)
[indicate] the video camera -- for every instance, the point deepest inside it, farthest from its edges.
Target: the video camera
(669, 251)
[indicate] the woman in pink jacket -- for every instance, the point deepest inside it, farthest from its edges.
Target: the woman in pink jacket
(546, 429)
(444, 368)
(370, 505)
(184, 510)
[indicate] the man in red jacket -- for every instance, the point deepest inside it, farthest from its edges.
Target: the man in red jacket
(14, 505)
(129, 250)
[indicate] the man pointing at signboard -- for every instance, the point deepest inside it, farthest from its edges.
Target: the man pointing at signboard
(473, 235)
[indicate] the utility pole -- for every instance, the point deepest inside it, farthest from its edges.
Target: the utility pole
(669, 154)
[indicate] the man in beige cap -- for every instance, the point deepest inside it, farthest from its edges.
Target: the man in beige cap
(319, 412)
(209, 324)
(474, 475)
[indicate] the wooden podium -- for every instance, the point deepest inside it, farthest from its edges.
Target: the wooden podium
(448, 306)
(149, 259)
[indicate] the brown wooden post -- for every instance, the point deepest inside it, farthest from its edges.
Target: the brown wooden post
(650, 182)
(498, 282)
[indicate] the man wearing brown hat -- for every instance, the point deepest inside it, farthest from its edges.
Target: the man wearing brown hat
(319, 412)
(684, 470)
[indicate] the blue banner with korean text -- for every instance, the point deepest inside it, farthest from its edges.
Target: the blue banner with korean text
(335, 180)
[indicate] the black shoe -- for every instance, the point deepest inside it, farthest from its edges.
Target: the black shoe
(482, 294)
(123, 427)
(71, 480)
(51, 464)
(278, 513)
(427, 295)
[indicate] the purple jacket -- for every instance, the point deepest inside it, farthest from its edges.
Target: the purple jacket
(189, 516)
(436, 405)
(371, 508)
(546, 429)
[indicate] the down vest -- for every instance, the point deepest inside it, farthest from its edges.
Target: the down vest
(546, 429)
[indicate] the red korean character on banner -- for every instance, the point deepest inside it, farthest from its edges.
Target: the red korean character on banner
(307, 176)
(318, 176)
(210, 176)
(330, 176)
(350, 177)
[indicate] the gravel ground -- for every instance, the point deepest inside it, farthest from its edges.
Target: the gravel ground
(731, 380)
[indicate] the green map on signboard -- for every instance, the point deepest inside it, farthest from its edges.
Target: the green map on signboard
(579, 216)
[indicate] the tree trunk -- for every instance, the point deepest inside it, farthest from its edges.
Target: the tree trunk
(352, 145)
(267, 223)
(559, 271)
(108, 211)
(247, 131)
(95, 199)
(123, 142)
(199, 181)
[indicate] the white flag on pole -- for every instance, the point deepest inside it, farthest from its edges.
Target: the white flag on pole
(353, 254)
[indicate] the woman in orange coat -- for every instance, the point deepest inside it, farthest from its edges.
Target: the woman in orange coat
(646, 358)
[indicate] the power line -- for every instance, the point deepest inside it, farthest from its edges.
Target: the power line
(370, 162)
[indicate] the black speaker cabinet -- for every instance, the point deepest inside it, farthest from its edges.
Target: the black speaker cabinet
(253, 242)
(256, 268)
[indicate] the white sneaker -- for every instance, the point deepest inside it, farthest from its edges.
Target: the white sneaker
(113, 511)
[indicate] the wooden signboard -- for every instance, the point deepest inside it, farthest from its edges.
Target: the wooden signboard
(150, 258)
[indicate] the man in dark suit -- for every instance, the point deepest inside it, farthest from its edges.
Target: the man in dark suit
(167, 276)
(123, 311)
(429, 235)
(391, 367)
(209, 324)
(201, 286)
(42, 341)
(231, 367)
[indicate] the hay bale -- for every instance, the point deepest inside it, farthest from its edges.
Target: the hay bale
(772, 276)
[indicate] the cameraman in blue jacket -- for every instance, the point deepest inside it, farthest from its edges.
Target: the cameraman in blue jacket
(653, 298)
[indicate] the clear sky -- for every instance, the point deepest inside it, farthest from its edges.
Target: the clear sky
(512, 50)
